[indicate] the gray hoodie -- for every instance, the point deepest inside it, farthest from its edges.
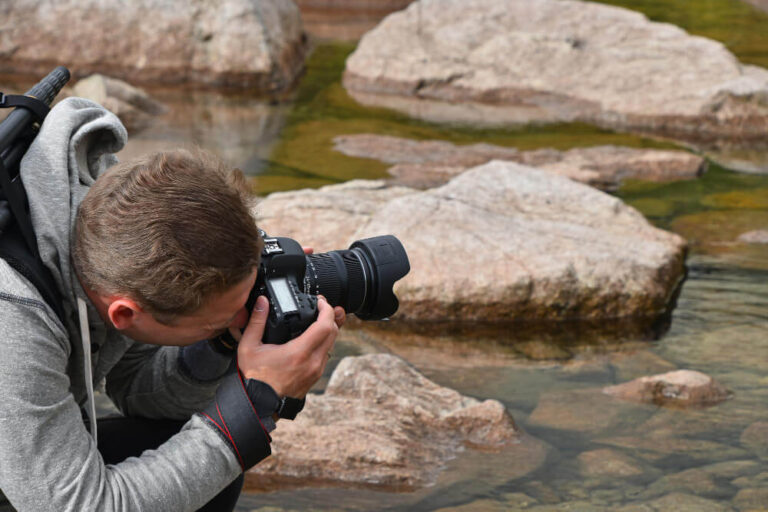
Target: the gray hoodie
(48, 458)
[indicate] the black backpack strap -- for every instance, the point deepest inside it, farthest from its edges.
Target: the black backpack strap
(38, 108)
(14, 250)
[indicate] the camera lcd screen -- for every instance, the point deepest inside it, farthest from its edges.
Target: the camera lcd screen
(283, 295)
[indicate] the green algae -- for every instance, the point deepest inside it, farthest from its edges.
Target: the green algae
(323, 110)
(717, 189)
(710, 212)
(739, 199)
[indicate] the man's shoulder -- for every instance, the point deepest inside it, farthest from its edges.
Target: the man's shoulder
(21, 300)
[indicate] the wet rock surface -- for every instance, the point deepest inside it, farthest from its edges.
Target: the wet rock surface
(426, 164)
(132, 105)
(379, 422)
(501, 241)
(678, 388)
(238, 43)
(516, 61)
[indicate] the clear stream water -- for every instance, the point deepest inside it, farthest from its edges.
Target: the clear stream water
(719, 325)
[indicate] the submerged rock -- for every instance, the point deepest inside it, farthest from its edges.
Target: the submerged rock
(499, 242)
(585, 411)
(606, 462)
(754, 237)
(425, 164)
(694, 481)
(133, 106)
(679, 502)
(517, 61)
(380, 422)
(234, 43)
(755, 437)
(751, 499)
(678, 388)
(655, 448)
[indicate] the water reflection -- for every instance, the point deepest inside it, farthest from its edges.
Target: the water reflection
(240, 128)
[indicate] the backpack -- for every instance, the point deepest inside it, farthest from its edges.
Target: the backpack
(18, 245)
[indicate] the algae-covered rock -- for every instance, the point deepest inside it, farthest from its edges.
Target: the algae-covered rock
(425, 164)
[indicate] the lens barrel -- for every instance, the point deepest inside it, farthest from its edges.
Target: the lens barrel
(359, 279)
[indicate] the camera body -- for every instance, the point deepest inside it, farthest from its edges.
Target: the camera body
(281, 280)
(359, 279)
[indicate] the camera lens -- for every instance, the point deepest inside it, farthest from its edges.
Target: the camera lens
(359, 279)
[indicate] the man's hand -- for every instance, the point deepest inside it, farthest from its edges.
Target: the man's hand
(293, 367)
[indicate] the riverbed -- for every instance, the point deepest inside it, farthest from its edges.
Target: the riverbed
(546, 375)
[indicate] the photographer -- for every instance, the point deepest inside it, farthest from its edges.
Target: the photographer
(149, 259)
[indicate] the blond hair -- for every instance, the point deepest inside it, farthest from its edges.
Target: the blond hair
(168, 230)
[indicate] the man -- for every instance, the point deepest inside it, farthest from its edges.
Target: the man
(150, 259)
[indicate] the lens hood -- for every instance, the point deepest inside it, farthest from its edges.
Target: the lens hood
(385, 260)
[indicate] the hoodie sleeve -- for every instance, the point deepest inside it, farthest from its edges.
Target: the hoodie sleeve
(166, 382)
(49, 461)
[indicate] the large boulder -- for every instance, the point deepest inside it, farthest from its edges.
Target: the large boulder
(502, 241)
(240, 43)
(426, 164)
(516, 61)
(380, 422)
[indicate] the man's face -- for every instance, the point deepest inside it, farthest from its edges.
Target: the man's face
(221, 312)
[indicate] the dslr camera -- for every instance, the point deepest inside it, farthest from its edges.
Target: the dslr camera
(358, 279)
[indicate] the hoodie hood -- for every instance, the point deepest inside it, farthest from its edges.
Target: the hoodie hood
(75, 145)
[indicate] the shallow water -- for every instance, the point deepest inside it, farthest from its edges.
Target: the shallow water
(719, 325)
(550, 379)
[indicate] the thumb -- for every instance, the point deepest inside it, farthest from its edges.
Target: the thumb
(254, 331)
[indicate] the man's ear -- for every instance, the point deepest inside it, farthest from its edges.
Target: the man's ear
(122, 313)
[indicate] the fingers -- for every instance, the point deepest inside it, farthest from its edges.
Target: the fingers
(323, 331)
(339, 316)
(254, 331)
(308, 250)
